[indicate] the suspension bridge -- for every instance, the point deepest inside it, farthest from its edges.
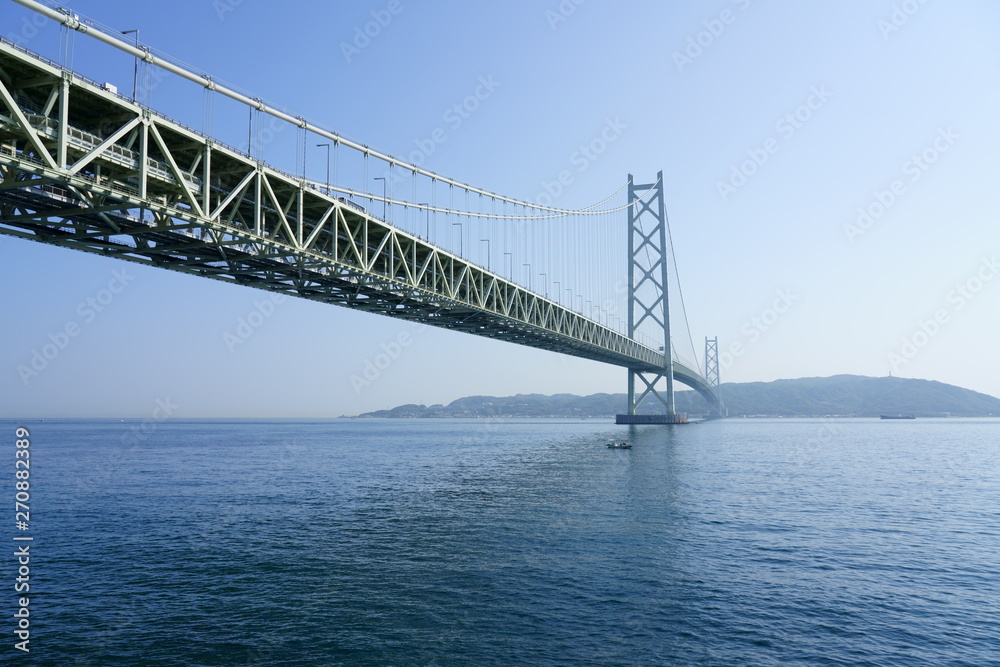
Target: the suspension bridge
(88, 168)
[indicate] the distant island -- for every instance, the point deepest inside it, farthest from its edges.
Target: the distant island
(838, 396)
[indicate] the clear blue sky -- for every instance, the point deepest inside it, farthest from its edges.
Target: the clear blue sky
(884, 106)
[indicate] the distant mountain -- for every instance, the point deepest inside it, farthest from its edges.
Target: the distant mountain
(854, 396)
(840, 395)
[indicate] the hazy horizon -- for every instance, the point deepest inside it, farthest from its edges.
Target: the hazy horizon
(167, 408)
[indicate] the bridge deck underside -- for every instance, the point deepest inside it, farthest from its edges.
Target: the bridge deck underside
(87, 169)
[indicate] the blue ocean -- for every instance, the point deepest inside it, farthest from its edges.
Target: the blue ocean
(511, 542)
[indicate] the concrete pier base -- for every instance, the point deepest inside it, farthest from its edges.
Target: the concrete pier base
(652, 419)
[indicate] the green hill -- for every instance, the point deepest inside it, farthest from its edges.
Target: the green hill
(841, 395)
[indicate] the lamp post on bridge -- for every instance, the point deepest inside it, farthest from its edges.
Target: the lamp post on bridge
(135, 68)
(546, 284)
(327, 165)
(427, 231)
(487, 242)
(461, 234)
(529, 275)
(510, 271)
(382, 178)
(305, 150)
(558, 291)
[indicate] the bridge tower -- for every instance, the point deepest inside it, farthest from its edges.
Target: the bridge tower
(648, 299)
(712, 362)
(712, 375)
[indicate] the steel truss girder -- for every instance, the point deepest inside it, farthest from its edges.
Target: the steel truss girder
(150, 190)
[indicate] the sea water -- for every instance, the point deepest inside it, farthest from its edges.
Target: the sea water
(501, 542)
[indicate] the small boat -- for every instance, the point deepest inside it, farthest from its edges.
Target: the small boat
(896, 417)
(619, 445)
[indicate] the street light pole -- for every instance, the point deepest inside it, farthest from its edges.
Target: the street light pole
(427, 234)
(327, 165)
(488, 253)
(510, 272)
(529, 275)
(461, 234)
(135, 68)
(382, 178)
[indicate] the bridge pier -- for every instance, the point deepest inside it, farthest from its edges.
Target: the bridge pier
(652, 419)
